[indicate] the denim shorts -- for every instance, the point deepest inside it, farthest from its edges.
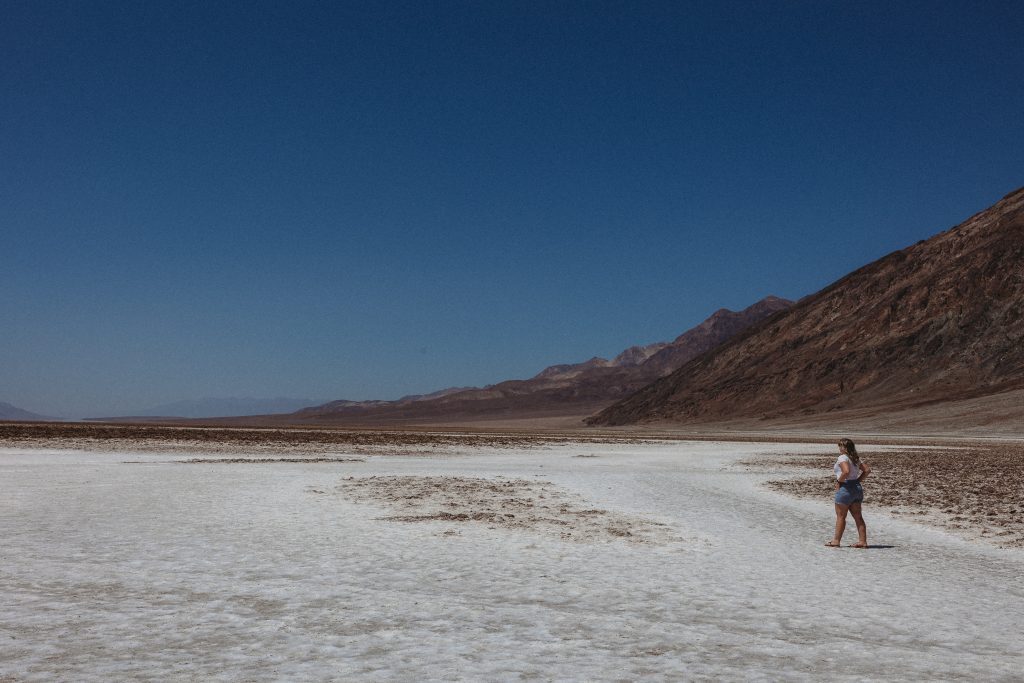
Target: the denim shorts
(849, 492)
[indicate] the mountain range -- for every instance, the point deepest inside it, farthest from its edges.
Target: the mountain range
(930, 337)
(936, 325)
(575, 389)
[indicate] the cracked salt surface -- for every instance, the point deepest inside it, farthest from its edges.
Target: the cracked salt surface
(112, 571)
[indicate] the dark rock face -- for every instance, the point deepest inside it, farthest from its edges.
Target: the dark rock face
(569, 389)
(938, 321)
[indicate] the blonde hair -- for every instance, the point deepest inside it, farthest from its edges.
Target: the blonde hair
(850, 450)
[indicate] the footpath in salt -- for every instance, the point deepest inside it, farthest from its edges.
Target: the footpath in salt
(662, 561)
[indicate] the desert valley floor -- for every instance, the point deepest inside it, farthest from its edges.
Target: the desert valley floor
(559, 560)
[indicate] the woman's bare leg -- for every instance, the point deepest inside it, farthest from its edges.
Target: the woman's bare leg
(862, 528)
(840, 524)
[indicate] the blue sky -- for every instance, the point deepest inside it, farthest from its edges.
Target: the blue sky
(371, 199)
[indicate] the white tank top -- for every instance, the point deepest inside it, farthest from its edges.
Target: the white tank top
(854, 470)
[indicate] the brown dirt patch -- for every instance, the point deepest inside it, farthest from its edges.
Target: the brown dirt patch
(536, 506)
(164, 438)
(261, 461)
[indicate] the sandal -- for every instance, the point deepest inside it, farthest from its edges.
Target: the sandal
(833, 544)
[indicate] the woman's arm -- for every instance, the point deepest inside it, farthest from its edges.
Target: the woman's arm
(865, 470)
(845, 467)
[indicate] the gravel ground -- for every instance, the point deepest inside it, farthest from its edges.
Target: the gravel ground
(246, 440)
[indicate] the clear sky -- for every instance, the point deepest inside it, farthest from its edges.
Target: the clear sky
(365, 200)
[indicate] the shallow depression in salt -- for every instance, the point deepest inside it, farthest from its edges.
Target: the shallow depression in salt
(159, 570)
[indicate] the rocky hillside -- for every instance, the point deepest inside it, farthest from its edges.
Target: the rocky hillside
(569, 389)
(939, 321)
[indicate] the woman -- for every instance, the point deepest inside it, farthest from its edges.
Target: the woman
(850, 471)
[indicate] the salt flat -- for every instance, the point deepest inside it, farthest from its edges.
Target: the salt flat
(159, 570)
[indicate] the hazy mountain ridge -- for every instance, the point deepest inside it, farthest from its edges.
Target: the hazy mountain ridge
(938, 321)
(225, 407)
(432, 395)
(631, 357)
(14, 413)
(573, 388)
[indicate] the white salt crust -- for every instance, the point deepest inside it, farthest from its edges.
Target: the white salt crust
(265, 572)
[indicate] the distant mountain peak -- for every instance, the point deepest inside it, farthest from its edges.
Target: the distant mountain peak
(637, 355)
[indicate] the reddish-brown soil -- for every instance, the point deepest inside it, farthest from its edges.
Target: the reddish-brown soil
(185, 437)
(165, 438)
